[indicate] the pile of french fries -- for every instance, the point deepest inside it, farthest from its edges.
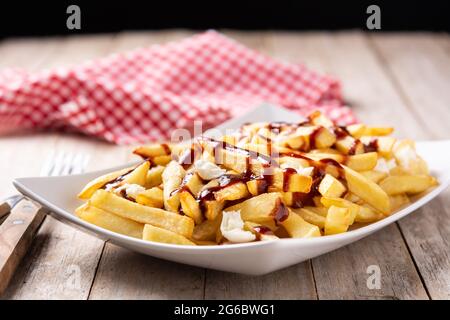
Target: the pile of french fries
(262, 182)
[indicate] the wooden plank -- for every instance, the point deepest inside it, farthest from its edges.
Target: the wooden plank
(16, 234)
(62, 261)
(123, 274)
(295, 282)
(374, 100)
(420, 66)
(351, 268)
(15, 53)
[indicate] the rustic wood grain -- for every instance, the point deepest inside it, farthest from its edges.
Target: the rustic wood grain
(123, 274)
(374, 100)
(295, 282)
(420, 67)
(16, 235)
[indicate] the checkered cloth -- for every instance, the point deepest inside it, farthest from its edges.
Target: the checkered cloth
(142, 95)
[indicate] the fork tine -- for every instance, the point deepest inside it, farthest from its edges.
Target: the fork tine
(58, 164)
(79, 163)
(48, 164)
(67, 164)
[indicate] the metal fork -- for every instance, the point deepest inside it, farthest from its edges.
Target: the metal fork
(25, 217)
(56, 164)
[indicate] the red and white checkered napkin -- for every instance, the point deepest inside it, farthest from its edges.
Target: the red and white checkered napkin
(142, 95)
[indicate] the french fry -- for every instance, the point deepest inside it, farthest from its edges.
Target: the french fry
(259, 209)
(261, 232)
(193, 183)
(349, 145)
(373, 175)
(398, 201)
(321, 211)
(100, 182)
(212, 208)
(353, 209)
(154, 177)
(331, 187)
(135, 175)
(151, 197)
(359, 130)
(293, 182)
(151, 151)
(356, 130)
(191, 207)
(363, 161)
(337, 221)
(127, 209)
(367, 214)
(207, 230)
(162, 160)
(235, 191)
(394, 185)
(310, 217)
(297, 227)
(172, 176)
(405, 154)
(152, 233)
(319, 119)
(367, 190)
(384, 144)
(110, 221)
(323, 139)
(319, 156)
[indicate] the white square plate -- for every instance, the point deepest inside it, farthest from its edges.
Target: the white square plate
(58, 194)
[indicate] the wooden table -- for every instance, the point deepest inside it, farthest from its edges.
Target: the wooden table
(398, 79)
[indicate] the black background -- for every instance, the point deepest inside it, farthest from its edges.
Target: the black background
(28, 18)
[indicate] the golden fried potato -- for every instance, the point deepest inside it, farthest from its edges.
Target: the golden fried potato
(152, 233)
(394, 185)
(151, 197)
(297, 227)
(172, 176)
(338, 220)
(143, 214)
(331, 187)
(367, 190)
(110, 221)
(190, 207)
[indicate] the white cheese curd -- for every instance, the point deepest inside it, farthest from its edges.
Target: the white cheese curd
(298, 167)
(405, 155)
(208, 170)
(385, 166)
(306, 171)
(132, 190)
(232, 228)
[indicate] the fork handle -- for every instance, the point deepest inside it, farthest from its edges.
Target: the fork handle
(4, 209)
(16, 235)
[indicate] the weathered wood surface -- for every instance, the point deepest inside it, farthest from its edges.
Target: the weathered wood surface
(396, 79)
